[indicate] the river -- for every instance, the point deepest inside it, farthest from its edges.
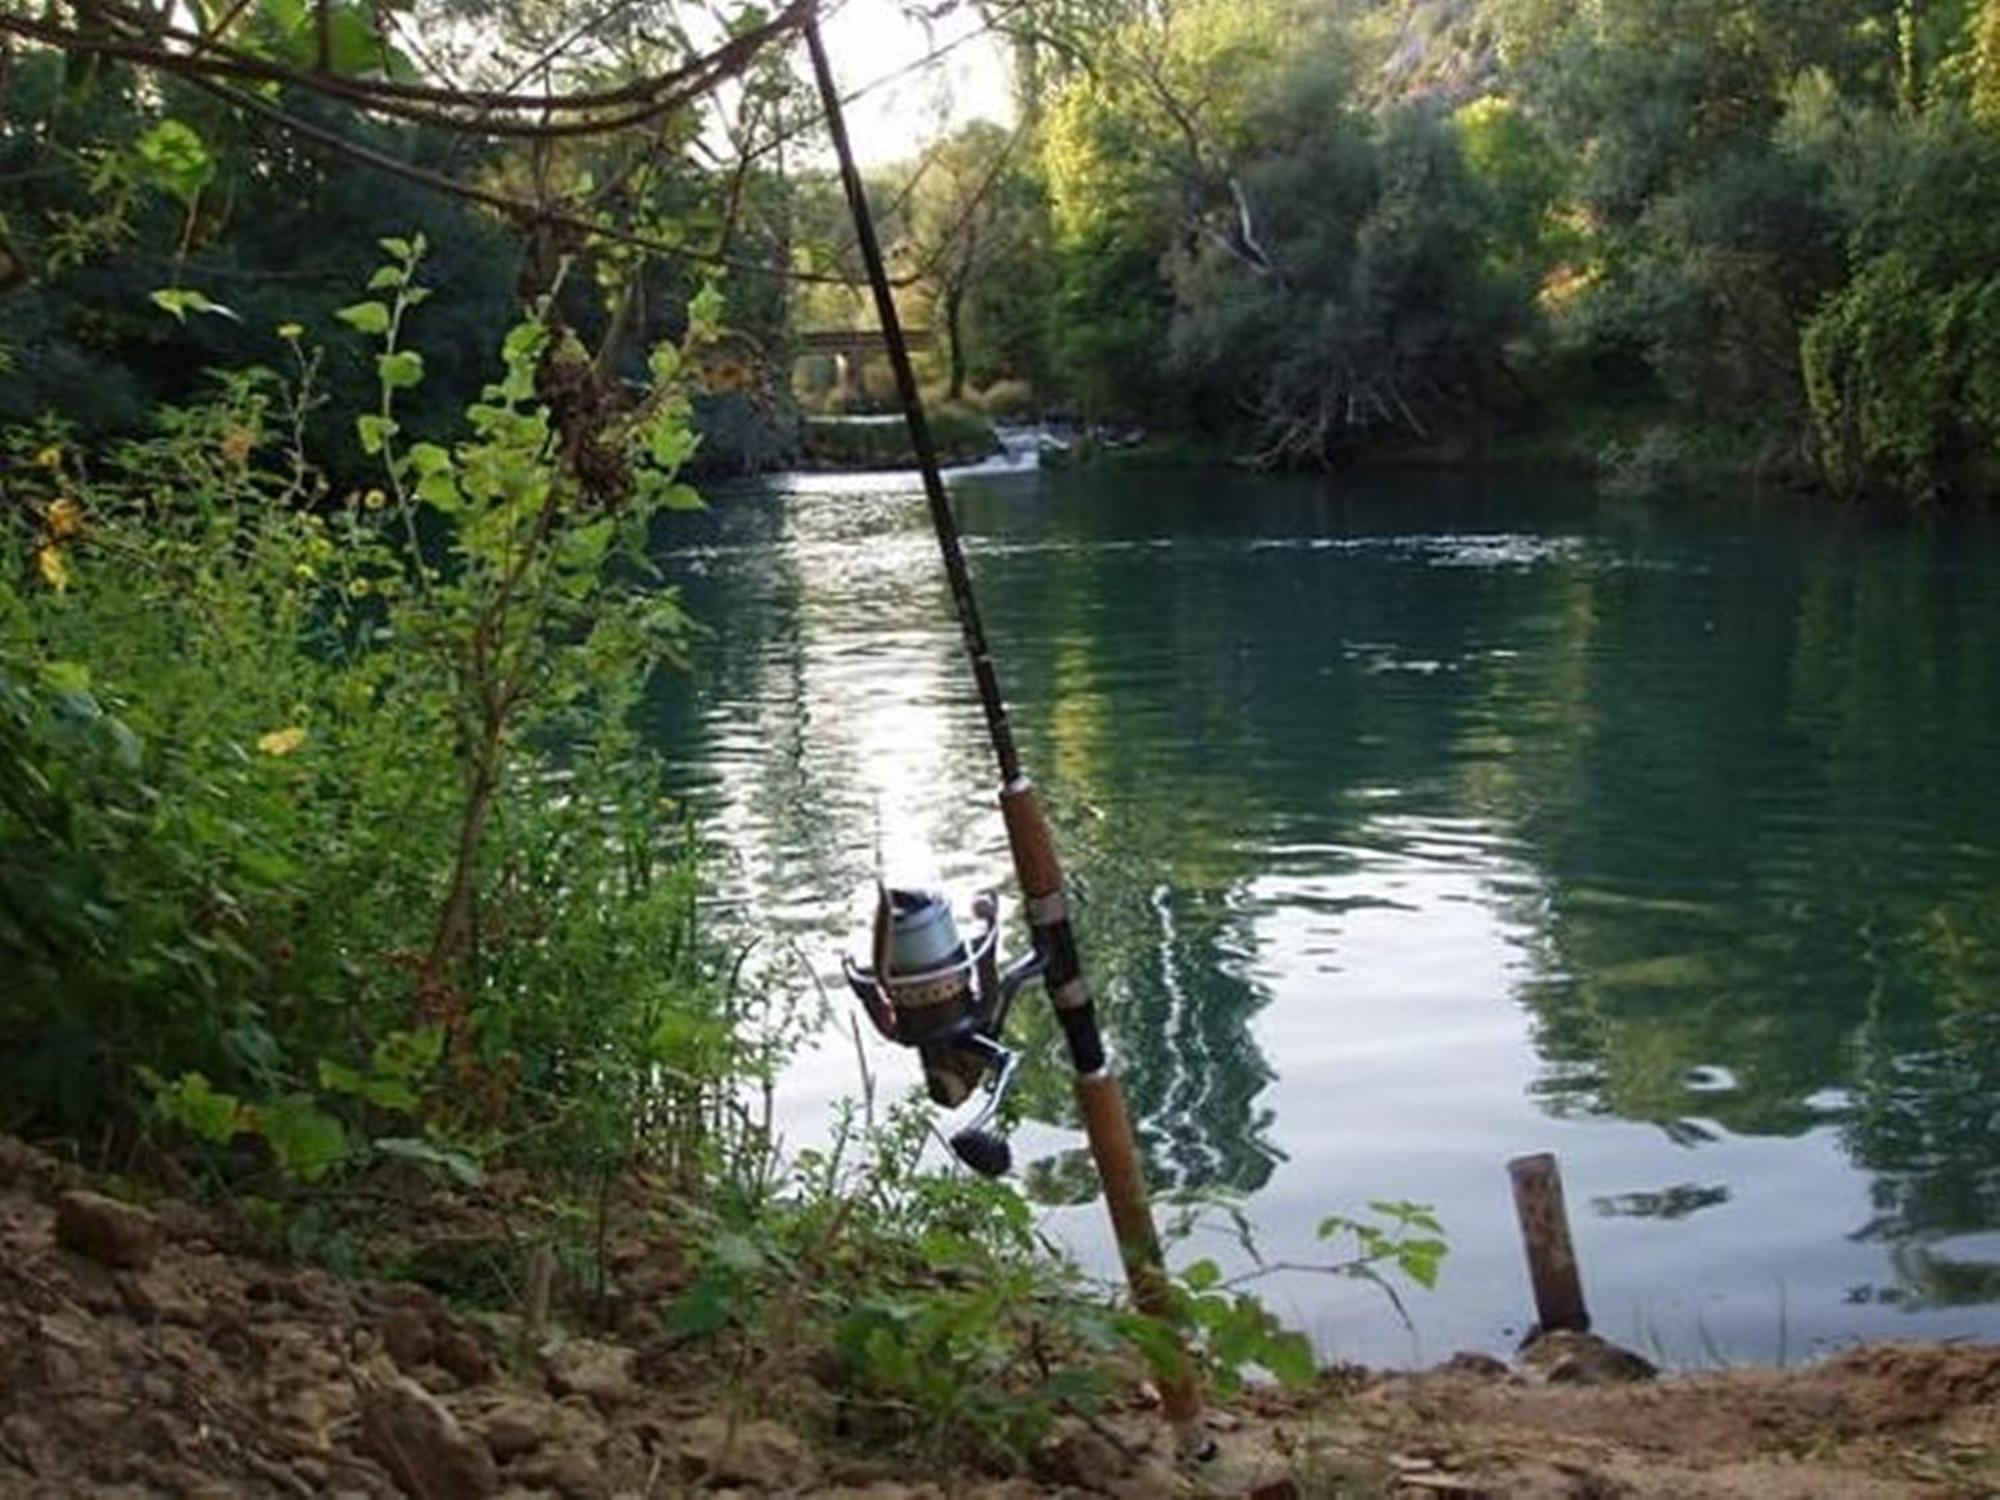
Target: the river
(1419, 823)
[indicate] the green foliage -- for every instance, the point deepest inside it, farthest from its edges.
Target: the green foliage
(1428, 226)
(1986, 65)
(1410, 1241)
(173, 158)
(960, 435)
(1904, 379)
(1232, 1332)
(280, 869)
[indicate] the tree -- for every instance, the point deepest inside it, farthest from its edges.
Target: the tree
(973, 221)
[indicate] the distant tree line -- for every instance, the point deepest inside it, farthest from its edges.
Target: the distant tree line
(1754, 233)
(1676, 237)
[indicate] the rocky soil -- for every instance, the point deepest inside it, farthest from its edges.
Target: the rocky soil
(140, 1355)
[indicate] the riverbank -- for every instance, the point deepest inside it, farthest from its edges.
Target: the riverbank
(154, 1351)
(841, 444)
(1633, 452)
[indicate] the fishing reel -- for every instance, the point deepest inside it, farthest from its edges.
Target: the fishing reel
(929, 989)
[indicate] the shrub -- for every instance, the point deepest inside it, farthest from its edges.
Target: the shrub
(1008, 401)
(323, 825)
(1904, 379)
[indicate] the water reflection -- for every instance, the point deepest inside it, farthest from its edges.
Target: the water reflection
(1416, 827)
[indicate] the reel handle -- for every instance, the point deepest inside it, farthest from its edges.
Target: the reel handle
(980, 1148)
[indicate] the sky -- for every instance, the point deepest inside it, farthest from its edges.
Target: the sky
(870, 39)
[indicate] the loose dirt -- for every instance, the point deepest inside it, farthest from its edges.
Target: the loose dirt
(142, 1355)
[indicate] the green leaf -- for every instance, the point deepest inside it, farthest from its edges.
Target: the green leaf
(385, 277)
(1420, 1260)
(368, 317)
(401, 370)
(429, 458)
(1202, 1275)
(192, 1103)
(1289, 1357)
(1156, 1342)
(306, 1141)
(670, 444)
(65, 676)
(461, 1167)
(172, 157)
(180, 301)
(409, 1054)
(441, 491)
(396, 246)
(682, 497)
(374, 431)
(705, 313)
(384, 1093)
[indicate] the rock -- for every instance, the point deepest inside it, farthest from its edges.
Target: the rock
(516, 1426)
(1083, 1458)
(310, 1290)
(105, 1230)
(439, 1381)
(759, 1455)
(408, 1431)
(406, 1334)
(152, 1297)
(21, 1165)
(1472, 1362)
(572, 1472)
(585, 1367)
(1565, 1358)
(460, 1352)
(185, 1224)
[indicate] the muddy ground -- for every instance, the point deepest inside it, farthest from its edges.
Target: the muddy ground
(141, 1355)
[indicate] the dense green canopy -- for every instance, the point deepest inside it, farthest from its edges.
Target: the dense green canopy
(1680, 240)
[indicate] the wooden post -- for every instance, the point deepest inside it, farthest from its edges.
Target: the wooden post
(1552, 1267)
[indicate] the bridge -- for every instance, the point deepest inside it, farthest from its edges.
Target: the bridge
(849, 347)
(854, 343)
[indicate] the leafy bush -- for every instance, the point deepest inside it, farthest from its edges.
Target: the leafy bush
(1008, 401)
(324, 831)
(1904, 380)
(959, 434)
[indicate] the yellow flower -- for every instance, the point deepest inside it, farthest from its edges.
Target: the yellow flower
(236, 445)
(374, 499)
(303, 572)
(357, 588)
(64, 518)
(50, 457)
(282, 741)
(291, 332)
(53, 567)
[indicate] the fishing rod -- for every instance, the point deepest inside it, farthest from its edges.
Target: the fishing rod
(949, 1000)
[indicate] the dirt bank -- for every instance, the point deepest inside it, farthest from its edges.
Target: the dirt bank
(140, 1355)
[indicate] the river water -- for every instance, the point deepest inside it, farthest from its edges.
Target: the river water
(1419, 824)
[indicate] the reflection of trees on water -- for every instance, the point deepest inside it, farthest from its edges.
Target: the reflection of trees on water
(1772, 851)
(1676, 1202)
(1111, 723)
(1748, 763)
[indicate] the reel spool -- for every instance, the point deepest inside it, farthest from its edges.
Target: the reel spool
(929, 989)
